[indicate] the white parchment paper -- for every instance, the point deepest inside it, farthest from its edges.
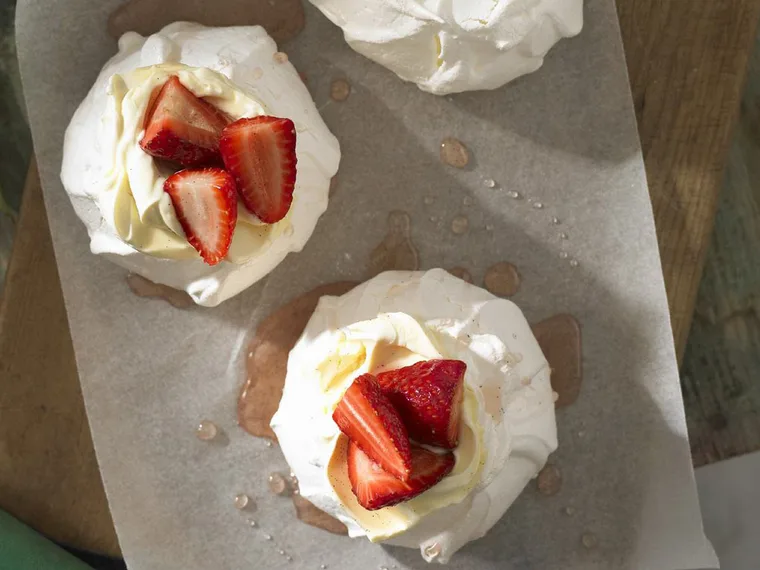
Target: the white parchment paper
(564, 136)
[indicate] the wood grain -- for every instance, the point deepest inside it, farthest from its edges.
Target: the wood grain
(687, 61)
(721, 371)
(49, 477)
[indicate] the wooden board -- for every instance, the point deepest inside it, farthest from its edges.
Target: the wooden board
(49, 477)
(686, 59)
(721, 370)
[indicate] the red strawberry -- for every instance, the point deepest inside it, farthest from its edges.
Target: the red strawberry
(206, 205)
(428, 395)
(182, 127)
(261, 155)
(375, 488)
(366, 416)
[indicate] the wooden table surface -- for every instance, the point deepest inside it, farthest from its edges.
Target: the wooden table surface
(687, 61)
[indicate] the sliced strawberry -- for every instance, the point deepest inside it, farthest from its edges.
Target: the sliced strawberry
(375, 488)
(261, 154)
(205, 202)
(366, 416)
(428, 396)
(182, 127)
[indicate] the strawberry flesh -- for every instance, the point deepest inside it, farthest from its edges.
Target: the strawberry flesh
(260, 152)
(182, 127)
(369, 420)
(375, 488)
(205, 202)
(428, 396)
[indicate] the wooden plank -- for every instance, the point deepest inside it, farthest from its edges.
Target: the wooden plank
(721, 371)
(686, 61)
(49, 477)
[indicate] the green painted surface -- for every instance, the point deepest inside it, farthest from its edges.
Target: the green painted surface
(21, 548)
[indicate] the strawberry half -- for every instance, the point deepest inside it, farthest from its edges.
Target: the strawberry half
(261, 154)
(182, 127)
(428, 396)
(205, 202)
(366, 416)
(375, 488)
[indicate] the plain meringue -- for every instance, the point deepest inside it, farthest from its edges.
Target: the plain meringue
(459, 45)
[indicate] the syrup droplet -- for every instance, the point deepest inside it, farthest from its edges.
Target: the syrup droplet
(462, 273)
(589, 540)
(459, 225)
(432, 551)
(277, 484)
(555, 220)
(428, 200)
(252, 523)
(340, 89)
(549, 480)
(206, 430)
(563, 255)
(563, 235)
(489, 183)
(258, 73)
(281, 552)
(311, 515)
(143, 287)
(289, 558)
(396, 251)
(283, 21)
(560, 340)
(502, 279)
(573, 263)
(323, 567)
(268, 444)
(241, 502)
(538, 205)
(467, 201)
(454, 153)
(280, 57)
(514, 194)
(569, 511)
(267, 537)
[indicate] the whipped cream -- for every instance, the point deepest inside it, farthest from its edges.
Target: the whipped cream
(117, 189)
(460, 45)
(397, 319)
